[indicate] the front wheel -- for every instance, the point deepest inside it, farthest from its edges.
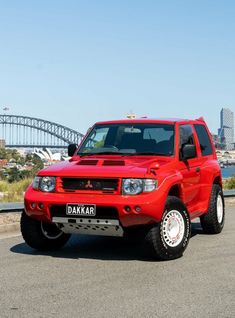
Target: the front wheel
(40, 235)
(212, 222)
(169, 238)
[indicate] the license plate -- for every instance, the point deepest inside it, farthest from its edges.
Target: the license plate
(81, 209)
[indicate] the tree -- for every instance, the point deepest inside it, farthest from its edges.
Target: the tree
(14, 175)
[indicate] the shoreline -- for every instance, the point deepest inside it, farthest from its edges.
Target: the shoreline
(228, 172)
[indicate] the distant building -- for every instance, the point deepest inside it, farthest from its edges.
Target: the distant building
(226, 130)
(45, 154)
(2, 143)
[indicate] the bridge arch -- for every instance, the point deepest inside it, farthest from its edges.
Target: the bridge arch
(60, 132)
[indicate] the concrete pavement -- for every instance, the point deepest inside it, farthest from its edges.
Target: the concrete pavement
(110, 277)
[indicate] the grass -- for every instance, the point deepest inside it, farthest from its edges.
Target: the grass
(12, 197)
(13, 192)
(4, 186)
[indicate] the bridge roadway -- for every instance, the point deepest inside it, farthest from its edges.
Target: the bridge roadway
(110, 277)
(37, 146)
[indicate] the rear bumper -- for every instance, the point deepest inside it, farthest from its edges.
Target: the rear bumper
(144, 208)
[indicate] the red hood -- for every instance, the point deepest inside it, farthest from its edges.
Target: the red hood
(112, 166)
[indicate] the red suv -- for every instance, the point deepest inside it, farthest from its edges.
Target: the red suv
(149, 174)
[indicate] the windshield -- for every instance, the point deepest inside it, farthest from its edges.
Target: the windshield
(129, 139)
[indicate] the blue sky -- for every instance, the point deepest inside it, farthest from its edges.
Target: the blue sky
(77, 62)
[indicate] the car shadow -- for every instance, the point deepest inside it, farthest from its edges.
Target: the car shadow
(92, 247)
(99, 248)
(196, 229)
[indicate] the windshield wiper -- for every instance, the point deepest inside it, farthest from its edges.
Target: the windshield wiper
(147, 153)
(82, 154)
(150, 153)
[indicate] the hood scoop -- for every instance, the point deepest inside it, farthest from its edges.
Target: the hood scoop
(87, 162)
(113, 163)
(92, 162)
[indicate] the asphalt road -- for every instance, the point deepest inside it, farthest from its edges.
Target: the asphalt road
(108, 277)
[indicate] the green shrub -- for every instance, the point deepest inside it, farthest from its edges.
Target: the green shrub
(230, 183)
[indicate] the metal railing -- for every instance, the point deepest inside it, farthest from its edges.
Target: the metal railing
(229, 193)
(11, 207)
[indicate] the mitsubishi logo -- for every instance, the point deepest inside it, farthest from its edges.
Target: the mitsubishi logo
(89, 185)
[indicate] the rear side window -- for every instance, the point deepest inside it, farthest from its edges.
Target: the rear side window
(204, 140)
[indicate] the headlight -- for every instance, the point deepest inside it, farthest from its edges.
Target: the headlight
(45, 184)
(132, 186)
(136, 186)
(149, 185)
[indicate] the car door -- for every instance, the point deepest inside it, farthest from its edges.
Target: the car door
(190, 168)
(209, 165)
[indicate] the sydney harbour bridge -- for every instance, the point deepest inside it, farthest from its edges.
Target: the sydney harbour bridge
(28, 132)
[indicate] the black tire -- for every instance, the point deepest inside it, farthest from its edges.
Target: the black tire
(162, 246)
(212, 222)
(34, 234)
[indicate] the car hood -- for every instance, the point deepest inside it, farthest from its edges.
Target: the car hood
(134, 167)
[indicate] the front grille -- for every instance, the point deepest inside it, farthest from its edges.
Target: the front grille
(101, 212)
(75, 184)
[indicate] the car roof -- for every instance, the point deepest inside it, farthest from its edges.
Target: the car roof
(150, 120)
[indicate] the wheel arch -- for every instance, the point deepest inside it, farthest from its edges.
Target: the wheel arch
(218, 180)
(175, 190)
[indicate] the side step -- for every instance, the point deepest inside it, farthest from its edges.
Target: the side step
(104, 227)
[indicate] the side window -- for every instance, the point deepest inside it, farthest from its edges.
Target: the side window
(204, 140)
(186, 137)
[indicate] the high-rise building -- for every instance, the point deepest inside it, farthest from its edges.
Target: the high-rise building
(226, 130)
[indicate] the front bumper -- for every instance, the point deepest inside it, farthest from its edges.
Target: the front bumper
(143, 209)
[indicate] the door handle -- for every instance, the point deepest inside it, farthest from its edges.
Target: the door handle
(198, 169)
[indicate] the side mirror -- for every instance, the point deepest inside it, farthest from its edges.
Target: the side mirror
(71, 149)
(188, 152)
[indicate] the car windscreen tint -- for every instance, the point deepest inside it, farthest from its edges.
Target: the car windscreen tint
(130, 139)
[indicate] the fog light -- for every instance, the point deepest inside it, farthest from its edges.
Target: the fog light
(40, 206)
(33, 205)
(138, 209)
(127, 208)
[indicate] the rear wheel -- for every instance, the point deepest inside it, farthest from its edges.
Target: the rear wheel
(212, 222)
(42, 235)
(169, 238)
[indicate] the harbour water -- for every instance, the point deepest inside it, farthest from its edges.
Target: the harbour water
(228, 171)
